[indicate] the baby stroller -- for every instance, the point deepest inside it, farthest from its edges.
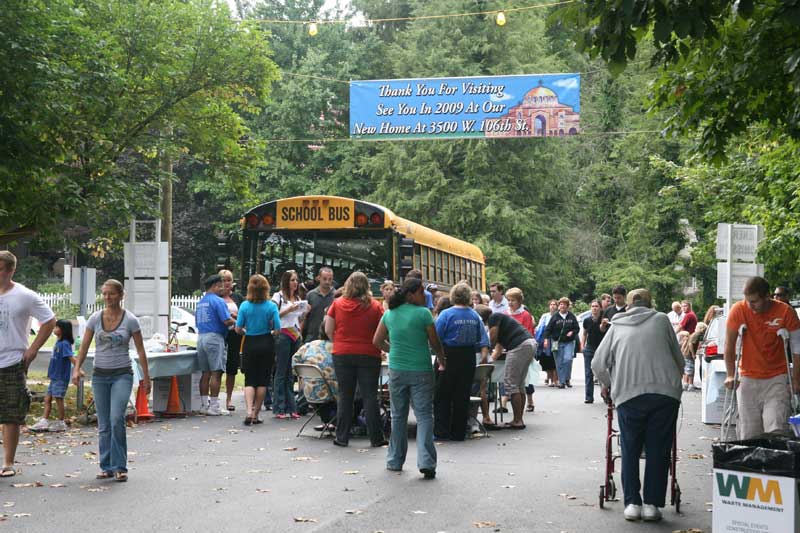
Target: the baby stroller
(608, 490)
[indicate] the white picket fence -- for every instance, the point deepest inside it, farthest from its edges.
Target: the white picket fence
(185, 301)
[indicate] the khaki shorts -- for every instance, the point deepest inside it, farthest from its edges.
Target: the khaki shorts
(517, 362)
(764, 405)
(15, 400)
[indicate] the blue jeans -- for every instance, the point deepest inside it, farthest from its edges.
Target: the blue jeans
(416, 387)
(111, 395)
(588, 376)
(564, 357)
(283, 389)
(647, 421)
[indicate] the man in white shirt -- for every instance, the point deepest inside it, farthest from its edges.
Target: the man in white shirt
(675, 316)
(498, 302)
(17, 305)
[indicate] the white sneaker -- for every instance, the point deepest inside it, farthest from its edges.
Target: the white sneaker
(213, 410)
(203, 410)
(650, 513)
(57, 425)
(685, 386)
(41, 425)
(692, 388)
(633, 512)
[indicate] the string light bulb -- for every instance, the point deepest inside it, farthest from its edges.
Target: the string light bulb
(500, 20)
(312, 29)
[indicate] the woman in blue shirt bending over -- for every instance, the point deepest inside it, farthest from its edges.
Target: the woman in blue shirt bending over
(259, 321)
(461, 331)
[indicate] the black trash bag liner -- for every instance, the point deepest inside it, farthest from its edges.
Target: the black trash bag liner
(771, 454)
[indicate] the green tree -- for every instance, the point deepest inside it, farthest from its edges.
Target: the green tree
(88, 88)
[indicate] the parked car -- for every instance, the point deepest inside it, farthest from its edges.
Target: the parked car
(188, 331)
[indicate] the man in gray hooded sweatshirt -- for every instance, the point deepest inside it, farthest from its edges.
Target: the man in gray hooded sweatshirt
(640, 360)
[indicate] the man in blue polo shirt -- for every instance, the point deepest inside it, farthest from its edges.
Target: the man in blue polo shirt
(212, 318)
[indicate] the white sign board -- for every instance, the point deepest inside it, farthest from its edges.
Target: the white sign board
(747, 501)
(142, 262)
(142, 294)
(741, 273)
(745, 241)
(89, 286)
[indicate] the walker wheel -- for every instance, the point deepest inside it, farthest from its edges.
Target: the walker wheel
(612, 492)
(602, 496)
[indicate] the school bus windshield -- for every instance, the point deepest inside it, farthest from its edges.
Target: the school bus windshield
(306, 251)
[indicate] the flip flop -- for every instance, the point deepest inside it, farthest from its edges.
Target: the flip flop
(247, 421)
(512, 426)
(230, 407)
(530, 408)
(104, 475)
(8, 471)
(122, 477)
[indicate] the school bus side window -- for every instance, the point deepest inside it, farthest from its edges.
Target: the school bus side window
(417, 257)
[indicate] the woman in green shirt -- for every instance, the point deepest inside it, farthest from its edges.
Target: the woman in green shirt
(405, 331)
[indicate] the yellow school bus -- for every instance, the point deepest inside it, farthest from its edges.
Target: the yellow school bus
(304, 233)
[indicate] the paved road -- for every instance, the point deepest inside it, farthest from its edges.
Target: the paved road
(214, 473)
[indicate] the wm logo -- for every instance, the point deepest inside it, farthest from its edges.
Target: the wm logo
(749, 488)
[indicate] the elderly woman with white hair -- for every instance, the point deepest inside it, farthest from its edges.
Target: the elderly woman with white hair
(645, 382)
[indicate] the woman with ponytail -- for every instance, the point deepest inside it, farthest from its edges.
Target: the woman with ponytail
(405, 332)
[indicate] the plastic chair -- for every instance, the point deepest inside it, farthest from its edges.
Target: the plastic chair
(482, 374)
(306, 371)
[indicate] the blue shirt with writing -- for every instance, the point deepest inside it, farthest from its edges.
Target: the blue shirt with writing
(461, 327)
(211, 314)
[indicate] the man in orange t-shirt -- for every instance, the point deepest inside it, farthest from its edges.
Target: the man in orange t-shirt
(763, 395)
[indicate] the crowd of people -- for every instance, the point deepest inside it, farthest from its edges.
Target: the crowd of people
(417, 348)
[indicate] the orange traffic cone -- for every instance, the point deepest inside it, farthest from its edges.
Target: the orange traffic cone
(174, 401)
(142, 407)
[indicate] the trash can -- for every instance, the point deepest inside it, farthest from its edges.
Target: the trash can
(757, 485)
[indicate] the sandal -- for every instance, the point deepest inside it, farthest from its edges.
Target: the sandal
(530, 408)
(104, 475)
(230, 407)
(514, 426)
(122, 477)
(247, 421)
(8, 471)
(257, 421)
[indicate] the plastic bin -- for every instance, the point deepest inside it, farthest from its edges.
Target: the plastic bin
(757, 485)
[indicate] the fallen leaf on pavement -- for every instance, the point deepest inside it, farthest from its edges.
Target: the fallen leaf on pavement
(690, 530)
(301, 519)
(484, 523)
(8, 504)
(419, 512)
(23, 485)
(302, 458)
(351, 472)
(263, 490)
(57, 485)
(290, 449)
(353, 511)
(315, 478)
(21, 515)
(97, 489)
(508, 486)
(696, 456)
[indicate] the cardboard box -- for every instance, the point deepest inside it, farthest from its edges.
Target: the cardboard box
(748, 502)
(713, 395)
(188, 392)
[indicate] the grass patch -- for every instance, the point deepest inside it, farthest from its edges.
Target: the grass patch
(37, 384)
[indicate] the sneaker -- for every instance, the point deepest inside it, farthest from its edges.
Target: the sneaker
(41, 425)
(650, 513)
(633, 512)
(213, 410)
(685, 386)
(203, 410)
(57, 425)
(295, 416)
(692, 388)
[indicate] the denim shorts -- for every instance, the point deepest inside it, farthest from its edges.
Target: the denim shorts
(688, 366)
(211, 352)
(57, 388)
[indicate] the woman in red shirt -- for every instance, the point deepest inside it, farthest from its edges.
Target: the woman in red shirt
(521, 315)
(351, 324)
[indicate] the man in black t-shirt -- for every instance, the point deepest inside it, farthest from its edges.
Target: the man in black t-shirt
(590, 340)
(618, 294)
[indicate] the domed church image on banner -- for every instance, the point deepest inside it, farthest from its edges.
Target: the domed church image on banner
(539, 114)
